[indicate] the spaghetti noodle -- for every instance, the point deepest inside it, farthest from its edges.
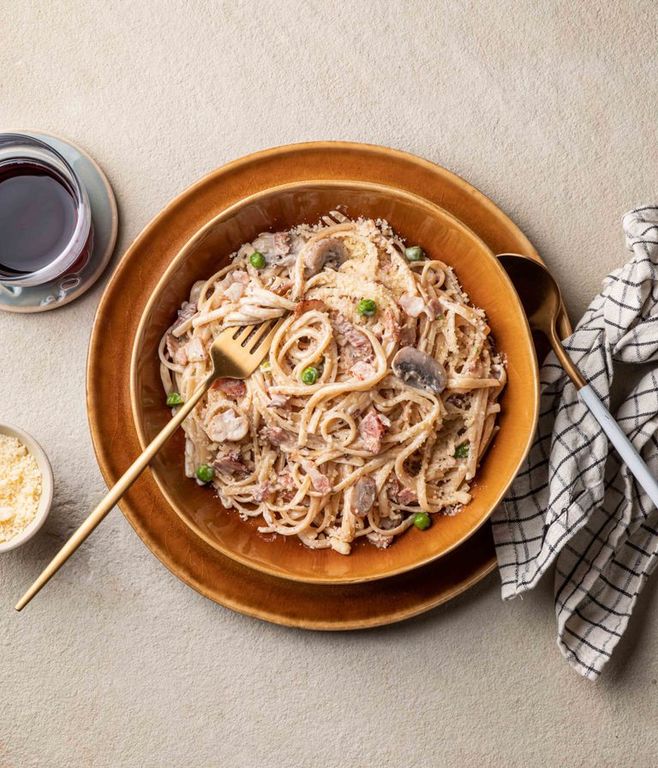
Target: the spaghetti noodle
(377, 401)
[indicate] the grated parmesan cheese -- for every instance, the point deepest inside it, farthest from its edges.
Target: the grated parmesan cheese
(20, 487)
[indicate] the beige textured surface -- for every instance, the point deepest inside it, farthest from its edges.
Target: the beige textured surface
(550, 111)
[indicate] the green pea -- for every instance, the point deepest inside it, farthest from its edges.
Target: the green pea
(414, 253)
(422, 521)
(366, 307)
(257, 260)
(310, 375)
(173, 398)
(461, 451)
(205, 473)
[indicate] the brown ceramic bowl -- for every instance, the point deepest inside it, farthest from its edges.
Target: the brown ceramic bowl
(441, 235)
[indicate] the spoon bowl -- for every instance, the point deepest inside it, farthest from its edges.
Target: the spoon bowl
(542, 301)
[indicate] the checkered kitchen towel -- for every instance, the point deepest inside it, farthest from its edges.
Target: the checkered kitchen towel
(574, 502)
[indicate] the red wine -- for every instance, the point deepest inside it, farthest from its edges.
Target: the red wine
(38, 216)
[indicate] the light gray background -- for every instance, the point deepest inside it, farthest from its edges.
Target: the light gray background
(552, 113)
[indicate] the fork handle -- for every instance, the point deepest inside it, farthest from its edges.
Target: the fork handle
(114, 494)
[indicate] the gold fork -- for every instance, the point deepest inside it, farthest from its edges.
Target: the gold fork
(235, 354)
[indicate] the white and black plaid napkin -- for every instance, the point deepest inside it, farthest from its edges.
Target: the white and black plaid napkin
(573, 501)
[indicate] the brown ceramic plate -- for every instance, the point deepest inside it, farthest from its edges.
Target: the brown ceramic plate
(442, 236)
(194, 561)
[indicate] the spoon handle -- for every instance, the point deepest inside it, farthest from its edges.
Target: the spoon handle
(618, 438)
(615, 434)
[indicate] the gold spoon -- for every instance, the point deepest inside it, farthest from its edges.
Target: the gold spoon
(235, 353)
(542, 302)
(541, 299)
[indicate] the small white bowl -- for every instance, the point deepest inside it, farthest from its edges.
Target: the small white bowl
(46, 487)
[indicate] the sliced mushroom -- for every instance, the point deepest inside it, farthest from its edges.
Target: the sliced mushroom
(194, 350)
(364, 494)
(275, 246)
(330, 251)
(227, 426)
(419, 370)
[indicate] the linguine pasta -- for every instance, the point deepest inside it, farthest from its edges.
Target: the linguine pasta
(377, 400)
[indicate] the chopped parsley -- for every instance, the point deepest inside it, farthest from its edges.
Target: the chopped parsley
(461, 451)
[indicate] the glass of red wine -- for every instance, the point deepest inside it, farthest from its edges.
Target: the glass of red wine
(45, 219)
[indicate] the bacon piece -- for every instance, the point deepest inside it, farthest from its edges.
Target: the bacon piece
(407, 496)
(262, 492)
(281, 243)
(277, 436)
(372, 428)
(400, 494)
(307, 305)
(280, 287)
(176, 349)
(286, 480)
(434, 309)
(350, 334)
(287, 485)
(319, 480)
(185, 313)
(408, 335)
(278, 401)
(354, 344)
(390, 325)
(362, 370)
(230, 464)
(234, 388)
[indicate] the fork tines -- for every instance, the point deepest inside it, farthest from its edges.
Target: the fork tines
(251, 337)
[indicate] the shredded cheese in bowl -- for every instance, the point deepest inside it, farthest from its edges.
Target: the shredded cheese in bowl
(20, 487)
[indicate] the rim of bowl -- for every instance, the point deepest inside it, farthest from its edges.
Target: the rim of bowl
(192, 242)
(47, 486)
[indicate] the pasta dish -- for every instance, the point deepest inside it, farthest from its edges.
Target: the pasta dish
(378, 398)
